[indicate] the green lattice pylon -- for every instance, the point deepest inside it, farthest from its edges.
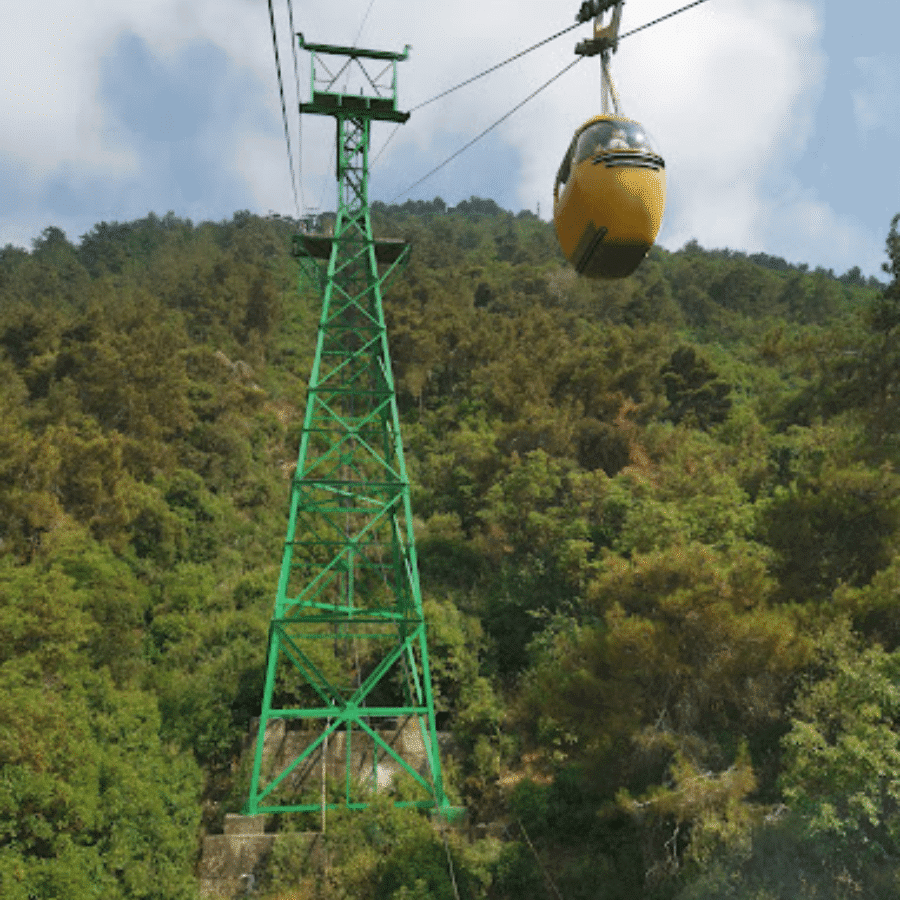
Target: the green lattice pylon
(347, 645)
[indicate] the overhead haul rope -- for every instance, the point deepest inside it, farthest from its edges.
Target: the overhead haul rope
(503, 118)
(529, 97)
(331, 156)
(499, 65)
(287, 135)
(299, 118)
(363, 23)
(660, 19)
(540, 862)
(462, 84)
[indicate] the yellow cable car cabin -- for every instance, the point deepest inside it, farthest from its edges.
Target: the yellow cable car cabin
(609, 197)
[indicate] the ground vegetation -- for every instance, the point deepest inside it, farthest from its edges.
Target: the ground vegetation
(658, 522)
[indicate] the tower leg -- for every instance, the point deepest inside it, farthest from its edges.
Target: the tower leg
(348, 656)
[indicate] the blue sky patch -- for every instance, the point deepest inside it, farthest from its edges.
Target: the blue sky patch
(182, 118)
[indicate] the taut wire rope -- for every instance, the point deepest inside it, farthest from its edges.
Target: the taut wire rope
(519, 105)
(497, 66)
(478, 137)
(660, 19)
(363, 23)
(299, 118)
(287, 135)
(475, 78)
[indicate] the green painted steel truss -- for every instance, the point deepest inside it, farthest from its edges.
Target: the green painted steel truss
(348, 655)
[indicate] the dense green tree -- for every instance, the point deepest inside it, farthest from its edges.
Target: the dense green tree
(843, 752)
(836, 527)
(836, 834)
(639, 504)
(678, 659)
(386, 853)
(694, 390)
(92, 799)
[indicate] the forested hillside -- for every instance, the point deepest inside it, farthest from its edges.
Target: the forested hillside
(658, 522)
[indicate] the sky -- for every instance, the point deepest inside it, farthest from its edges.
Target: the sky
(777, 119)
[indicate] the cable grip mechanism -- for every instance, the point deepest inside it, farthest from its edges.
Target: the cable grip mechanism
(606, 37)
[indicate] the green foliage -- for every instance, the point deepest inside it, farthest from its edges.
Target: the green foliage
(843, 751)
(694, 391)
(640, 506)
(569, 842)
(673, 646)
(92, 800)
(386, 853)
(837, 835)
(694, 494)
(779, 863)
(873, 608)
(835, 527)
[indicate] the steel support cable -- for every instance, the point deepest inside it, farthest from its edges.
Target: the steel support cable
(299, 118)
(503, 118)
(475, 78)
(359, 32)
(540, 862)
(287, 135)
(660, 19)
(499, 65)
(541, 44)
(529, 97)
(332, 154)
(363, 23)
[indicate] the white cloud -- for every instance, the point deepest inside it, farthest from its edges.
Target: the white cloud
(729, 89)
(255, 157)
(732, 104)
(875, 105)
(48, 99)
(807, 229)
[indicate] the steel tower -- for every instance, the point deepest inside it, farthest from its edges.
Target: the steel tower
(347, 635)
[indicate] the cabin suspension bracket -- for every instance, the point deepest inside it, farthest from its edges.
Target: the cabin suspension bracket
(604, 43)
(606, 37)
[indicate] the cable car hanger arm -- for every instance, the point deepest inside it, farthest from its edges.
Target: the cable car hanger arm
(590, 9)
(606, 37)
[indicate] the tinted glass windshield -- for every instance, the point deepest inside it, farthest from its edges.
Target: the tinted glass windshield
(613, 134)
